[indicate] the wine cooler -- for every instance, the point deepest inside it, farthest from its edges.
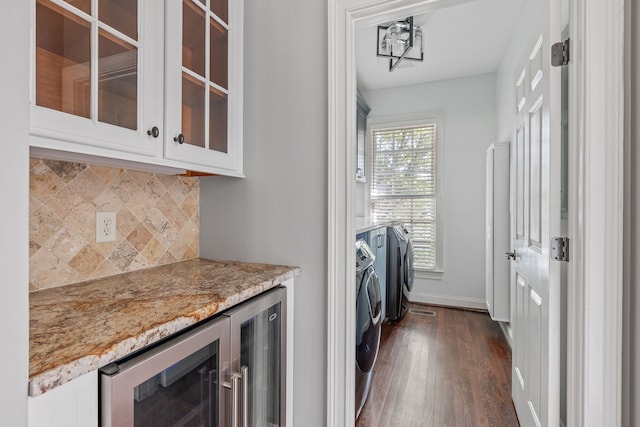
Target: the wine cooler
(229, 371)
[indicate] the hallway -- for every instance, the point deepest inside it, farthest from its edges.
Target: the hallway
(452, 369)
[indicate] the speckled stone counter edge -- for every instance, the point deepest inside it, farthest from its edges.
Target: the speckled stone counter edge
(52, 378)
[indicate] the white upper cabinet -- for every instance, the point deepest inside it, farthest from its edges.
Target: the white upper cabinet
(144, 81)
(97, 77)
(203, 84)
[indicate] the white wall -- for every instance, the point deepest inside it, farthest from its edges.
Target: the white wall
(14, 192)
(278, 213)
(468, 106)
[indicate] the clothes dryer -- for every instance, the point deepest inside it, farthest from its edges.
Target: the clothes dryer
(399, 271)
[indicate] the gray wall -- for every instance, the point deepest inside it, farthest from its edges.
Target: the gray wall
(278, 213)
(631, 332)
(14, 191)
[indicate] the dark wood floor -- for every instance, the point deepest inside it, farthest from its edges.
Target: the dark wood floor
(451, 370)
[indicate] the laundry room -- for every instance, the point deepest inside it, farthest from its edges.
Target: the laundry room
(425, 120)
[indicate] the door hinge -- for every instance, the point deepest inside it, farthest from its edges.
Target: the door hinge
(560, 53)
(560, 248)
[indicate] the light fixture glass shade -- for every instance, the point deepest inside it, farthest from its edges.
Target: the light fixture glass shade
(398, 41)
(416, 50)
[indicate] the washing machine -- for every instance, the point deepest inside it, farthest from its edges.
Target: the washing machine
(399, 271)
(368, 321)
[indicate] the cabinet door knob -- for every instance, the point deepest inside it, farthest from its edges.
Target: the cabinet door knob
(154, 132)
(179, 139)
(510, 255)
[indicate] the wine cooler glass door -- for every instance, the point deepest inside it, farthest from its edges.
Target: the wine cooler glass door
(184, 394)
(258, 345)
(178, 383)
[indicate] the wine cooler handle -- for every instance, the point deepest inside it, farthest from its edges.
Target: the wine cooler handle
(213, 383)
(244, 374)
(234, 385)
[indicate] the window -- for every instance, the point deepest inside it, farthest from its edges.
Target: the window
(404, 185)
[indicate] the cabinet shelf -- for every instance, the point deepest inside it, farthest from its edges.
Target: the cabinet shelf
(115, 40)
(59, 10)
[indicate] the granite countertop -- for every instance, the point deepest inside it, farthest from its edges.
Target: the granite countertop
(78, 328)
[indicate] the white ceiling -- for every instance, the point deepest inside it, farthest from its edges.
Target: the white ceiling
(465, 39)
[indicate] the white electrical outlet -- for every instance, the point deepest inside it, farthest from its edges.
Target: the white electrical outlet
(105, 227)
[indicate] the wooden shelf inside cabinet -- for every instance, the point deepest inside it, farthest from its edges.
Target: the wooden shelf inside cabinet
(117, 41)
(193, 79)
(61, 11)
(198, 174)
(218, 7)
(197, 8)
(122, 15)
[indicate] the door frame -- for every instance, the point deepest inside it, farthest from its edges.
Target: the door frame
(596, 198)
(596, 229)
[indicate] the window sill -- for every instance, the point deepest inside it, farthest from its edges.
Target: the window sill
(429, 274)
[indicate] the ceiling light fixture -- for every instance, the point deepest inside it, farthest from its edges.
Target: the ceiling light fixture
(398, 41)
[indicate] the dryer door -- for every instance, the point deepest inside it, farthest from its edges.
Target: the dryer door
(368, 316)
(408, 266)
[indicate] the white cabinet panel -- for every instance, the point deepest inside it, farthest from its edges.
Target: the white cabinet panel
(73, 404)
(497, 231)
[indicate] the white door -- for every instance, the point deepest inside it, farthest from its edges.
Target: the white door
(535, 220)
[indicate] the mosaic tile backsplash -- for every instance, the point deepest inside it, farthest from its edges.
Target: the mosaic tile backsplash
(157, 221)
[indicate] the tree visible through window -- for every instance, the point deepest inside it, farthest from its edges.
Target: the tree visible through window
(404, 183)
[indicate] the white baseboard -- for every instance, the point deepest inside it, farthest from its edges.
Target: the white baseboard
(506, 329)
(474, 303)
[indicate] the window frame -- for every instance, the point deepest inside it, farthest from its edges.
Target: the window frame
(405, 121)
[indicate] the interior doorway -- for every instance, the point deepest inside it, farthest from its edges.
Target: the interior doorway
(345, 16)
(380, 90)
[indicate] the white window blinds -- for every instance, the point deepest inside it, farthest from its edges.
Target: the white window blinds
(404, 183)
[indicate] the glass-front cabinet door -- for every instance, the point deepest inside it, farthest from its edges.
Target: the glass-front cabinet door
(203, 110)
(258, 353)
(96, 81)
